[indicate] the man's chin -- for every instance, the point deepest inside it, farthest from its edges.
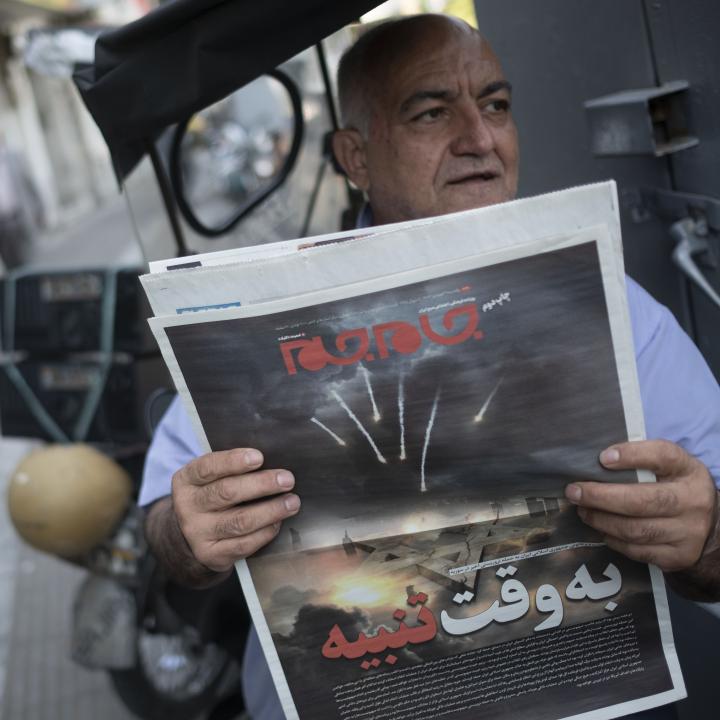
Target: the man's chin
(471, 196)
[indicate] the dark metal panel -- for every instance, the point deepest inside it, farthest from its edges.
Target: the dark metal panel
(558, 54)
(685, 45)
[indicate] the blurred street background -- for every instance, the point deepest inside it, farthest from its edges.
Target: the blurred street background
(56, 175)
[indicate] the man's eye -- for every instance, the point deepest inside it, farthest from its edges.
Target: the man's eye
(430, 114)
(497, 106)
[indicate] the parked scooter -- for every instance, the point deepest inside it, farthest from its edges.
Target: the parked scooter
(161, 644)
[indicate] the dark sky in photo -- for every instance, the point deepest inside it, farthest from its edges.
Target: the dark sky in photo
(545, 363)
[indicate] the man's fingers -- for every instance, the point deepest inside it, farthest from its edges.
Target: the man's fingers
(233, 490)
(638, 531)
(222, 555)
(247, 519)
(224, 463)
(632, 500)
(664, 556)
(664, 458)
(664, 523)
(247, 545)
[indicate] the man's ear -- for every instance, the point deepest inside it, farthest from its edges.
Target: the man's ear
(349, 149)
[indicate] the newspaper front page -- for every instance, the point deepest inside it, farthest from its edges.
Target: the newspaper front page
(432, 419)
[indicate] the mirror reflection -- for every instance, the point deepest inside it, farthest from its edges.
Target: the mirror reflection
(234, 148)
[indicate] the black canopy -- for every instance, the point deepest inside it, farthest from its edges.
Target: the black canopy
(188, 54)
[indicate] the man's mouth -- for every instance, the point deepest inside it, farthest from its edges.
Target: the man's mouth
(485, 176)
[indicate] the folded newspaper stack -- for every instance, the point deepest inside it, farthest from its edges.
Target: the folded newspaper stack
(434, 386)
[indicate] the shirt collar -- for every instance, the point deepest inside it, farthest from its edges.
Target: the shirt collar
(365, 217)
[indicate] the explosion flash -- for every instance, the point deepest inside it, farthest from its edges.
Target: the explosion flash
(362, 429)
(333, 435)
(479, 417)
(376, 413)
(401, 415)
(428, 430)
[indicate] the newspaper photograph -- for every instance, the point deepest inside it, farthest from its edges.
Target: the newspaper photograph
(432, 420)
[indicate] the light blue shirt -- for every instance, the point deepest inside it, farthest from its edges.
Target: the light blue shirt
(680, 398)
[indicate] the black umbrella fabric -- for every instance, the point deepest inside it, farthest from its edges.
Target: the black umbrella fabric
(188, 54)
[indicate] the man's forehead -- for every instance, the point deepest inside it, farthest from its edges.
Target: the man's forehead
(439, 66)
(446, 69)
(435, 38)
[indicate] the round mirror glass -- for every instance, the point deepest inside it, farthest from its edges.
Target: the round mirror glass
(233, 149)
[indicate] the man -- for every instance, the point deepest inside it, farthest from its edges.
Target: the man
(428, 130)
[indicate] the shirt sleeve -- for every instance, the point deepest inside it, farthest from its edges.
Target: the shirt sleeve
(174, 445)
(680, 396)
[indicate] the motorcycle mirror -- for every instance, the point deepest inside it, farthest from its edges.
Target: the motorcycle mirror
(226, 159)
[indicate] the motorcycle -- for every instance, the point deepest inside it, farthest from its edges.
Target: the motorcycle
(166, 649)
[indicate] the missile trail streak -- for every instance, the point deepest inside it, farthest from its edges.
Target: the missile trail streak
(479, 417)
(352, 416)
(401, 415)
(337, 438)
(376, 414)
(428, 430)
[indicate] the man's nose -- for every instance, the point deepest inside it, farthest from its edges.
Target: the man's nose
(473, 134)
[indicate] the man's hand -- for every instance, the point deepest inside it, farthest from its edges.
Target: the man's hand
(222, 508)
(672, 523)
(227, 508)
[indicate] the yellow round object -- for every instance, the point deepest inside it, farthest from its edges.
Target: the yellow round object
(65, 499)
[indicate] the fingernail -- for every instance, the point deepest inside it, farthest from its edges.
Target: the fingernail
(253, 457)
(292, 503)
(285, 479)
(573, 493)
(609, 456)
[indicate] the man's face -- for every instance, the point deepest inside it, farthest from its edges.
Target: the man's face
(441, 137)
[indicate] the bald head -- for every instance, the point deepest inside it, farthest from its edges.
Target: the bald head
(427, 122)
(378, 50)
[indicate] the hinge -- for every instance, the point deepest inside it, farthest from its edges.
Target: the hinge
(672, 205)
(647, 121)
(694, 219)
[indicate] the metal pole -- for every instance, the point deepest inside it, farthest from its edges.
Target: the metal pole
(168, 199)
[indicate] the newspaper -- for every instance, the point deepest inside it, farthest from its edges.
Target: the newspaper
(433, 409)
(232, 278)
